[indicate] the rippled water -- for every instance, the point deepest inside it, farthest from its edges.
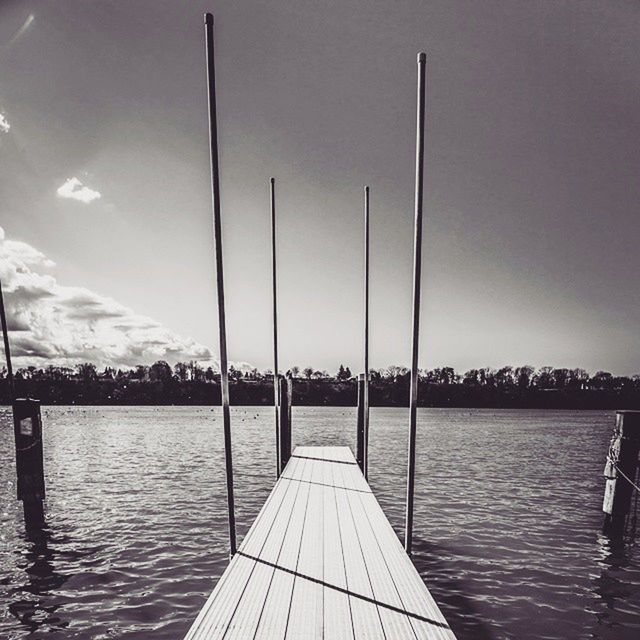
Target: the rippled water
(507, 518)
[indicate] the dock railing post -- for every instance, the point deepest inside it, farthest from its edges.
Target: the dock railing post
(365, 401)
(285, 400)
(361, 442)
(27, 428)
(217, 229)
(7, 349)
(620, 471)
(274, 281)
(417, 272)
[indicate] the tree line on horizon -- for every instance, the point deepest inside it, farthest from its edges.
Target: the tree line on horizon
(191, 383)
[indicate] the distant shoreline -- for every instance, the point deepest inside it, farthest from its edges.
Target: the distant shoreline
(324, 392)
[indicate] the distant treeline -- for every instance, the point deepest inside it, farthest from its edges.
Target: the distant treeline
(192, 384)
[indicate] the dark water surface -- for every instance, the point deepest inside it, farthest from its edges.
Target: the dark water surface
(507, 518)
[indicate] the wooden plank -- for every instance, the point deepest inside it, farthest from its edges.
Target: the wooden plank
(384, 591)
(321, 561)
(217, 611)
(340, 454)
(218, 614)
(364, 612)
(307, 602)
(337, 609)
(275, 614)
(414, 595)
(427, 620)
(248, 611)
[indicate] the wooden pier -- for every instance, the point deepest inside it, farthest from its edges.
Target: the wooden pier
(321, 561)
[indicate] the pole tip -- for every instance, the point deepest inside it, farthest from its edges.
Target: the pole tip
(272, 180)
(208, 18)
(366, 189)
(422, 57)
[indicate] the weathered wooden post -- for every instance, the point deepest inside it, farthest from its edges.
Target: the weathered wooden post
(415, 329)
(285, 388)
(217, 236)
(620, 471)
(361, 442)
(274, 281)
(27, 426)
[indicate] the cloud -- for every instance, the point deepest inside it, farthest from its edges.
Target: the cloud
(50, 323)
(4, 124)
(22, 30)
(75, 190)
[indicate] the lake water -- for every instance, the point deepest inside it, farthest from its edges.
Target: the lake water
(507, 520)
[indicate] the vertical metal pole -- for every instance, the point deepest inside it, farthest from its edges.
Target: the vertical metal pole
(285, 385)
(217, 227)
(289, 404)
(274, 278)
(365, 465)
(417, 272)
(7, 350)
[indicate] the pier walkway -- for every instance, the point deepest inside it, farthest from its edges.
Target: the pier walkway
(321, 561)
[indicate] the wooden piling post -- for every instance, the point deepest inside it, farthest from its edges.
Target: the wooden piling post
(417, 273)
(27, 425)
(361, 441)
(620, 471)
(285, 388)
(365, 401)
(274, 280)
(217, 228)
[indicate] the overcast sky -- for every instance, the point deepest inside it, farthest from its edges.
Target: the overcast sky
(532, 224)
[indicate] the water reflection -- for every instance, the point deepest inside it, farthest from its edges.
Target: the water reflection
(613, 590)
(37, 558)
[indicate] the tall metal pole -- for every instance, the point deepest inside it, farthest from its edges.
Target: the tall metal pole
(417, 272)
(217, 228)
(366, 333)
(7, 350)
(276, 394)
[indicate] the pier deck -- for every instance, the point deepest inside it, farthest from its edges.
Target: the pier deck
(321, 561)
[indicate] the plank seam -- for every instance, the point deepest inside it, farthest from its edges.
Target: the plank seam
(254, 566)
(384, 559)
(293, 588)
(264, 604)
(344, 564)
(324, 459)
(202, 618)
(366, 568)
(323, 484)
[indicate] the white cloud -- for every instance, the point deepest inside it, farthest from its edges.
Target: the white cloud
(55, 324)
(4, 124)
(75, 190)
(23, 29)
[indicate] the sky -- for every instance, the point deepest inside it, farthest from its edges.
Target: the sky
(531, 227)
